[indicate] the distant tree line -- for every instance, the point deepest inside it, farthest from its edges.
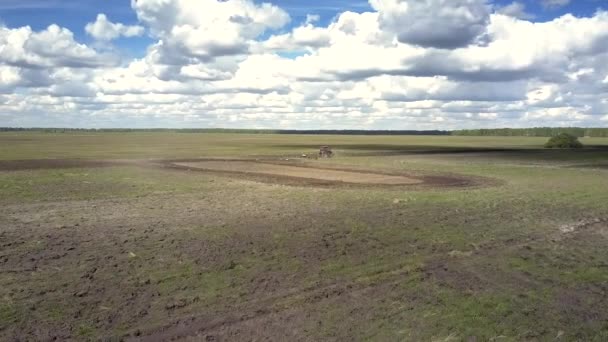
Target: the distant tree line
(226, 130)
(364, 132)
(535, 132)
(515, 132)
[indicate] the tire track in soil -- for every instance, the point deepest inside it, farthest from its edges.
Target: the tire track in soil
(259, 308)
(436, 180)
(195, 326)
(437, 268)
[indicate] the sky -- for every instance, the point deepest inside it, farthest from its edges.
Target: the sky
(294, 64)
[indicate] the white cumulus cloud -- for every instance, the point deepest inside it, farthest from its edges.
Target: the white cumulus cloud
(53, 47)
(415, 64)
(205, 29)
(104, 29)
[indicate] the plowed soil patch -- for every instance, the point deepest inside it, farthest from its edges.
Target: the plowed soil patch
(301, 172)
(267, 171)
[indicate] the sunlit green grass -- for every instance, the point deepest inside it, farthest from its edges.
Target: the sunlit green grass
(190, 145)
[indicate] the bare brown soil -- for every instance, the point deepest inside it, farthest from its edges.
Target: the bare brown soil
(298, 173)
(267, 171)
(358, 177)
(95, 258)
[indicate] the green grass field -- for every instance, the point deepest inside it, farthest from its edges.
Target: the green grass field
(132, 251)
(186, 145)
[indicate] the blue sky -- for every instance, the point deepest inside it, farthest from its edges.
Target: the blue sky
(440, 64)
(75, 14)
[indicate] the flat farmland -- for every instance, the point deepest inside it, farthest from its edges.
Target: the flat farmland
(237, 237)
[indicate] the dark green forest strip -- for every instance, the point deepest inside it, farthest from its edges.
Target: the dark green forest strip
(535, 132)
(504, 132)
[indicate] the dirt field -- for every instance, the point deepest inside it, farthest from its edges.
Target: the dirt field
(270, 170)
(503, 246)
(302, 172)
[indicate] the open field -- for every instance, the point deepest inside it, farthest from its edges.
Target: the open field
(156, 236)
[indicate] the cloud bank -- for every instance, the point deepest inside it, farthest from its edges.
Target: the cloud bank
(405, 64)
